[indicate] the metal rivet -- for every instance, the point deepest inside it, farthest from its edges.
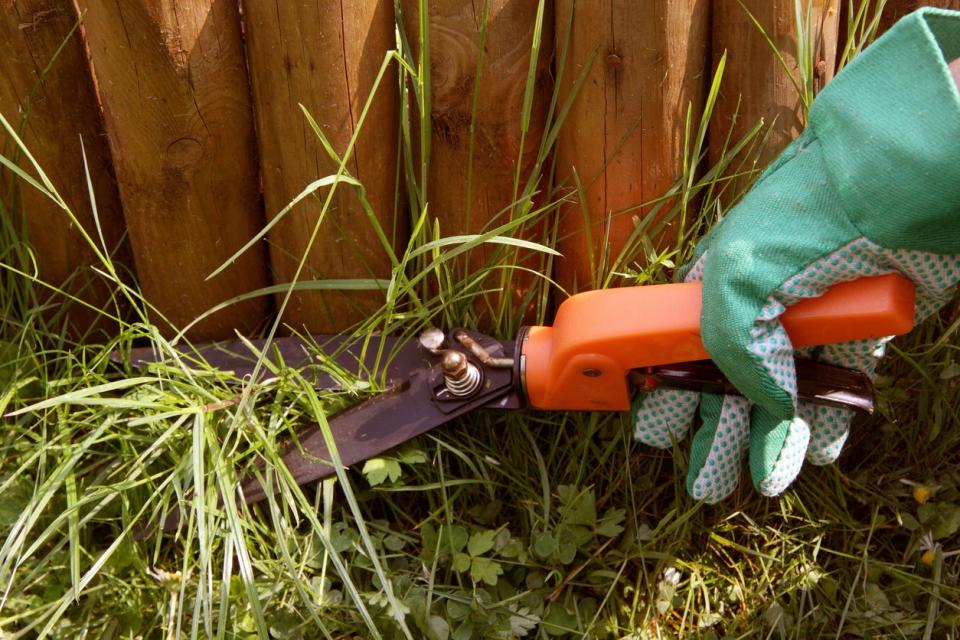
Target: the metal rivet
(590, 372)
(432, 339)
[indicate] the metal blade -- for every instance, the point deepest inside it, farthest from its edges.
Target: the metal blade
(382, 423)
(413, 405)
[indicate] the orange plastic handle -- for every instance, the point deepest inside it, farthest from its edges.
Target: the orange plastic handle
(582, 361)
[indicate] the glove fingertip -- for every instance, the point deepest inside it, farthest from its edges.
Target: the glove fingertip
(663, 417)
(718, 447)
(829, 428)
(774, 471)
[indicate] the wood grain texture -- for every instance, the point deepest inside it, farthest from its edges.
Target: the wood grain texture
(455, 35)
(325, 55)
(62, 108)
(176, 100)
(754, 77)
(624, 136)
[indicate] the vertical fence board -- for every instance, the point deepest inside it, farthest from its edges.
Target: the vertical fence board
(173, 84)
(755, 81)
(896, 9)
(455, 28)
(61, 109)
(326, 56)
(624, 136)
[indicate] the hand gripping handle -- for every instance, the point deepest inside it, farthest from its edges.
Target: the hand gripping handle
(583, 361)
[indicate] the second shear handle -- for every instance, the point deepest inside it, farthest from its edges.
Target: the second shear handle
(817, 382)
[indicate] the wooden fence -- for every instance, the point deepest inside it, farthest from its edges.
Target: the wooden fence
(189, 119)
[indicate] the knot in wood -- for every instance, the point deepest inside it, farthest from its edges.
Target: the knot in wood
(183, 152)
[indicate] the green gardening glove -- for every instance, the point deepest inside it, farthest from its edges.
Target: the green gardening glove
(872, 186)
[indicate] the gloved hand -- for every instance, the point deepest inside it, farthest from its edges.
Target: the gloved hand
(872, 186)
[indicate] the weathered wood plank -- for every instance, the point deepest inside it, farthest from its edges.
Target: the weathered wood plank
(896, 9)
(62, 108)
(472, 192)
(325, 55)
(176, 100)
(755, 81)
(624, 136)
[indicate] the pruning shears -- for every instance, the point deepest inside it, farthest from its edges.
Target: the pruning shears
(601, 347)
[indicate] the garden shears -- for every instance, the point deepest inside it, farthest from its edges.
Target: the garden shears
(601, 346)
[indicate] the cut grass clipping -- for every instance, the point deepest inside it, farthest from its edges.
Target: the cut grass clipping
(525, 525)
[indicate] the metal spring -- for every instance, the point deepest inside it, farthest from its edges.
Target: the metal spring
(467, 383)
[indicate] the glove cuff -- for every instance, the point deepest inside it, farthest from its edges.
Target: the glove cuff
(889, 126)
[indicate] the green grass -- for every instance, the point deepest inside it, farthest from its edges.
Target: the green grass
(528, 524)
